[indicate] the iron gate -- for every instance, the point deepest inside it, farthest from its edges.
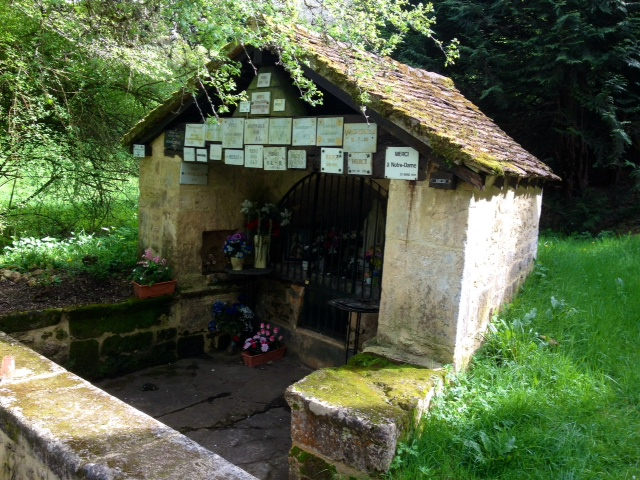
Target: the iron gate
(333, 246)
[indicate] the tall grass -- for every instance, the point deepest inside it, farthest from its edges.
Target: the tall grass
(555, 391)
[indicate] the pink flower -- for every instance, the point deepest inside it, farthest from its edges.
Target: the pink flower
(272, 338)
(268, 327)
(262, 325)
(276, 330)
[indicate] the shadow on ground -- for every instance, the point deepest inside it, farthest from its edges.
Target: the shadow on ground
(233, 410)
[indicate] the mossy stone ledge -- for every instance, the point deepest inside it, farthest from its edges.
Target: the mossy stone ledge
(352, 417)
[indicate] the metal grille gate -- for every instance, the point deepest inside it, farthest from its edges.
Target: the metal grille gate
(334, 245)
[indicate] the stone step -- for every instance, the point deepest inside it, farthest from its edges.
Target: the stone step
(349, 420)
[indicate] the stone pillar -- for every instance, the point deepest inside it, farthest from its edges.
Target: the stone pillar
(451, 259)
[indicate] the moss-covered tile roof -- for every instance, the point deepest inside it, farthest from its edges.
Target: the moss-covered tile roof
(424, 104)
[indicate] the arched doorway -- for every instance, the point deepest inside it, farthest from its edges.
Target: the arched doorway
(333, 246)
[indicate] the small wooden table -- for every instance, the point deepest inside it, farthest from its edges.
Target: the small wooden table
(357, 306)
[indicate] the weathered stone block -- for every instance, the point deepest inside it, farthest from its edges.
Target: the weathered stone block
(190, 346)
(353, 416)
(93, 321)
(83, 358)
(166, 334)
(118, 344)
(21, 322)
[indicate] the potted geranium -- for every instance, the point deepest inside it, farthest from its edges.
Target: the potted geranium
(236, 248)
(263, 221)
(152, 277)
(265, 346)
(231, 320)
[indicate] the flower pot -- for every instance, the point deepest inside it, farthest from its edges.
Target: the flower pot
(155, 290)
(261, 245)
(262, 358)
(237, 263)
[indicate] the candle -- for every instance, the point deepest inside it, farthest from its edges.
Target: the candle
(8, 367)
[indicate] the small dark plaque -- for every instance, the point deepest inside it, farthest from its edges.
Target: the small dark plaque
(442, 180)
(174, 139)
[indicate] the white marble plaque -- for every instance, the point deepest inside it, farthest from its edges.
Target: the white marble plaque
(260, 103)
(264, 80)
(275, 158)
(253, 156)
(201, 155)
(297, 159)
(215, 152)
(213, 132)
(279, 104)
(280, 131)
(194, 135)
(304, 131)
(193, 174)
(234, 157)
(139, 151)
(331, 160)
(359, 163)
(232, 132)
(244, 107)
(360, 137)
(330, 132)
(189, 154)
(256, 131)
(401, 163)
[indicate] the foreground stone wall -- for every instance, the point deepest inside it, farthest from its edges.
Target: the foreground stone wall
(54, 425)
(451, 259)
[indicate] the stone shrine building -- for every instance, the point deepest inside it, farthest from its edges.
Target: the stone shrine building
(420, 208)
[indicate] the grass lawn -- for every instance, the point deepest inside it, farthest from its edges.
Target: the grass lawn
(555, 391)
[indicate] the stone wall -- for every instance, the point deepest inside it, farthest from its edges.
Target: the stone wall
(452, 258)
(107, 340)
(56, 426)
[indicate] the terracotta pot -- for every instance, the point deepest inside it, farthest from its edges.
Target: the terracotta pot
(155, 290)
(262, 358)
(237, 263)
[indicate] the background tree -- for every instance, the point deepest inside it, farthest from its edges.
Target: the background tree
(561, 77)
(76, 75)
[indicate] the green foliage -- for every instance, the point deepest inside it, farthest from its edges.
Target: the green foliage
(555, 390)
(560, 77)
(114, 250)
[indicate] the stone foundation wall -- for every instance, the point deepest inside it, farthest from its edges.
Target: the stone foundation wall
(108, 340)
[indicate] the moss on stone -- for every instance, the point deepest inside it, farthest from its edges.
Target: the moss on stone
(93, 321)
(372, 388)
(21, 322)
(84, 357)
(312, 467)
(166, 334)
(120, 344)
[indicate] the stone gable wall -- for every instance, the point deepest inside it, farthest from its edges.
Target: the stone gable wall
(452, 258)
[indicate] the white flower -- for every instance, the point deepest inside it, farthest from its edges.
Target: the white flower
(247, 207)
(286, 217)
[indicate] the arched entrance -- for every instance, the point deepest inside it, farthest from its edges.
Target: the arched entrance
(333, 246)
